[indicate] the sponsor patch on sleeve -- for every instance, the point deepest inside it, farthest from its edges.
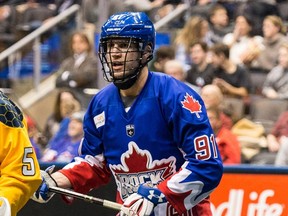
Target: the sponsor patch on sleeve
(99, 120)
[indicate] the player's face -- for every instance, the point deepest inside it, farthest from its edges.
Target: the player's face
(122, 57)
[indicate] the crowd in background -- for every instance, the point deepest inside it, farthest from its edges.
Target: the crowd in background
(233, 53)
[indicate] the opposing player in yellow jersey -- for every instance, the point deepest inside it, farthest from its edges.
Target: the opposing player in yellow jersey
(20, 171)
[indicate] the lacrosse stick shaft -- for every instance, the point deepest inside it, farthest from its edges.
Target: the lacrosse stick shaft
(87, 198)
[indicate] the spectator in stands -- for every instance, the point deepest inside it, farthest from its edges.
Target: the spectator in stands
(175, 69)
(282, 155)
(162, 54)
(277, 140)
(66, 103)
(228, 145)
(62, 5)
(244, 46)
(34, 136)
(276, 83)
(195, 29)
(232, 79)
(145, 5)
(91, 11)
(79, 71)
(201, 72)
(66, 147)
(8, 19)
(168, 7)
(66, 28)
(33, 16)
(274, 36)
(213, 97)
(257, 10)
(201, 8)
(282, 6)
(278, 132)
(220, 24)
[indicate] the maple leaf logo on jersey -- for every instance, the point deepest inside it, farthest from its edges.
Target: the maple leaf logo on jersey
(138, 167)
(191, 104)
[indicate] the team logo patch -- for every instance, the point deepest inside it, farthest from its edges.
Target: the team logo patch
(191, 104)
(137, 167)
(130, 130)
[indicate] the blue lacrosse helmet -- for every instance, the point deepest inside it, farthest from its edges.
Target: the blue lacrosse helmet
(131, 25)
(135, 27)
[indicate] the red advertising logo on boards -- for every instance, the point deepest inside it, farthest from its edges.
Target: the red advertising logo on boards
(251, 195)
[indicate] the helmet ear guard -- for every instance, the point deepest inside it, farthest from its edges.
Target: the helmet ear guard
(148, 50)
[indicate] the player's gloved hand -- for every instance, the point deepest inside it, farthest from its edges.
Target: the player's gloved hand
(143, 202)
(42, 195)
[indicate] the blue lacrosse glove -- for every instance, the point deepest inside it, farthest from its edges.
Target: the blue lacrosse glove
(143, 202)
(43, 195)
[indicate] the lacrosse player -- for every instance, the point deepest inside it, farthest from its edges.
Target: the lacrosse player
(146, 129)
(20, 171)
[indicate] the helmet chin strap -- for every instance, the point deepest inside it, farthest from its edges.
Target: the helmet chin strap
(128, 83)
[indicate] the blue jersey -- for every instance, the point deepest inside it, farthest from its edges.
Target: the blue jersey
(165, 138)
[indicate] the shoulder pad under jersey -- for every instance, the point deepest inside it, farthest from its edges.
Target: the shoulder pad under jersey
(10, 114)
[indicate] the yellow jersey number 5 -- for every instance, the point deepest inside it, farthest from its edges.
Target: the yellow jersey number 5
(28, 168)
